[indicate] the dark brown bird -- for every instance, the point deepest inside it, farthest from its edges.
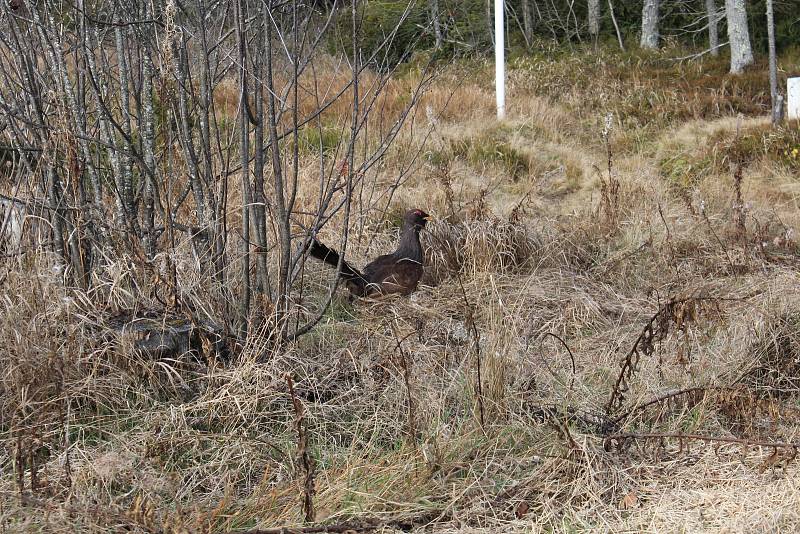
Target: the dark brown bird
(398, 272)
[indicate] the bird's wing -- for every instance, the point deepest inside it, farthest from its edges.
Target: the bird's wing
(391, 274)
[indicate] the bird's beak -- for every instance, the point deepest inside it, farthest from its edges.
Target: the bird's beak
(428, 218)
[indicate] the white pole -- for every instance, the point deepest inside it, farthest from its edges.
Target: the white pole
(499, 58)
(793, 93)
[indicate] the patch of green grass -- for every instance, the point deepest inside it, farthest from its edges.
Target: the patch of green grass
(499, 153)
(763, 142)
(693, 420)
(340, 310)
(685, 167)
(492, 149)
(327, 138)
(438, 158)
(684, 170)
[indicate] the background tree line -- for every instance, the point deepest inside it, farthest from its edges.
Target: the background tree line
(457, 27)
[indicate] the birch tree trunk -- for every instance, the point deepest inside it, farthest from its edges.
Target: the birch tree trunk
(616, 26)
(125, 179)
(436, 23)
(776, 98)
(650, 24)
(738, 35)
(593, 16)
(527, 21)
(490, 20)
(713, 27)
(148, 136)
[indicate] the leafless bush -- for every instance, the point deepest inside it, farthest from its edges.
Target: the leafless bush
(154, 121)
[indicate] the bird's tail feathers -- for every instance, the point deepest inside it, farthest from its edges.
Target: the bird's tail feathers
(331, 257)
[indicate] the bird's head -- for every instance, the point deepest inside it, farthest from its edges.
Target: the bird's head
(416, 219)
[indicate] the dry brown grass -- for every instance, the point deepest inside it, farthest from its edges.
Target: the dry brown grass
(105, 439)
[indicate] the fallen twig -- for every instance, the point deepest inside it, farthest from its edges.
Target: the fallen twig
(367, 525)
(665, 397)
(622, 438)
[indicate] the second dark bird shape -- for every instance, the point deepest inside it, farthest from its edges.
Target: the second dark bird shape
(398, 272)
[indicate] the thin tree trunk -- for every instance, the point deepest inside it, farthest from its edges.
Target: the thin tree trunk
(88, 57)
(527, 22)
(80, 118)
(282, 214)
(713, 27)
(650, 24)
(185, 131)
(241, 39)
(56, 212)
(125, 179)
(593, 18)
(616, 26)
(436, 23)
(738, 35)
(776, 97)
(490, 19)
(205, 115)
(100, 87)
(571, 5)
(258, 211)
(148, 149)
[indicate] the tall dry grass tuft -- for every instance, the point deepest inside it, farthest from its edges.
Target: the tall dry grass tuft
(473, 247)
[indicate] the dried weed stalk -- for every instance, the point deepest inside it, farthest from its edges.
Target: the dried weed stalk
(303, 456)
(739, 208)
(677, 313)
(609, 184)
(406, 364)
(476, 343)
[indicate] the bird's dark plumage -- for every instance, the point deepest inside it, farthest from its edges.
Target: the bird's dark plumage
(398, 272)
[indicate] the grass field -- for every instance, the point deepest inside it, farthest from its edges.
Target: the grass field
(631, 210)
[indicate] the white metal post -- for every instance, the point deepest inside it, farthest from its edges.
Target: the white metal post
(500, 58)
(793, 96)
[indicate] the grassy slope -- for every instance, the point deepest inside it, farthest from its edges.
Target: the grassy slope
(544, 240)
